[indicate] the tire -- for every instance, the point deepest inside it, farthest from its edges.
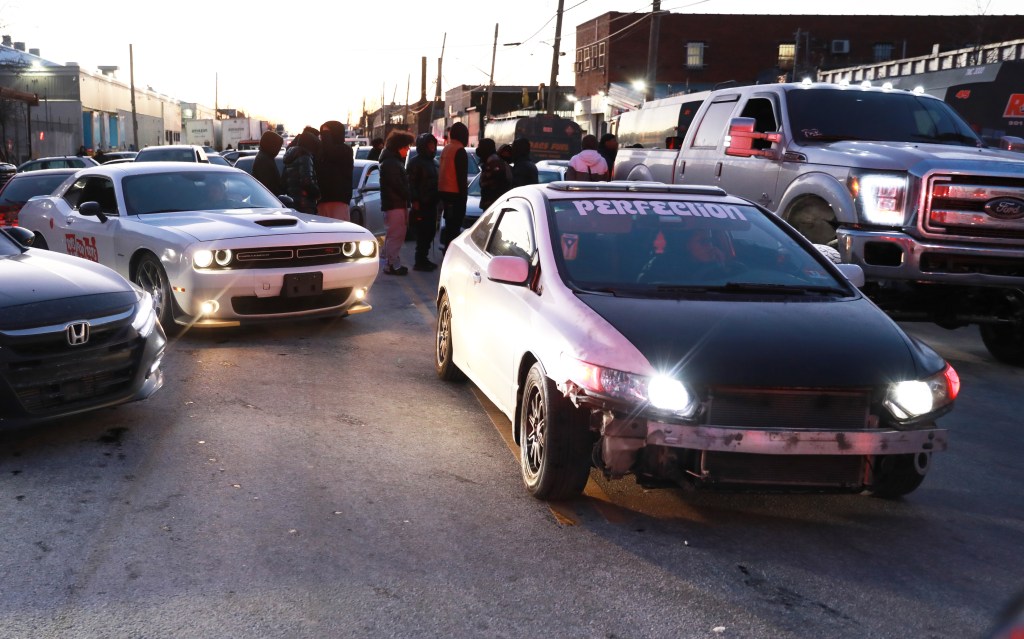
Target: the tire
(555, 444)
(1005, 342)
(815, 221)
(443, 350)
(151, 277)
(40, 242)
(899, 475)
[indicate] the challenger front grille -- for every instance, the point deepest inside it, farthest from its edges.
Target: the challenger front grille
(790, 409)
(290, 256)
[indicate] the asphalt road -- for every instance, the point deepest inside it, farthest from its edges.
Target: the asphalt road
(316, 480)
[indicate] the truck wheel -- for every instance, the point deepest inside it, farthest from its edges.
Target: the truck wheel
(1005, 342)
(815, 221)
(443, 350)
(899, 475)
(554, 451)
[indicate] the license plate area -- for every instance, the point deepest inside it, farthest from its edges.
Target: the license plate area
(302, 284)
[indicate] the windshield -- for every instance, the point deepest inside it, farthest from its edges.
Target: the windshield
(194, 191)
(828, 115)
(647, 246)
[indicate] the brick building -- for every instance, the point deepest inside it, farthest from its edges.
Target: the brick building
(697, 51)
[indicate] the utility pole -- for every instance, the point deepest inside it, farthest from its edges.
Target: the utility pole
(652, 50)
(135, 119)
(490, 84)
(553, 87)
(437, 91)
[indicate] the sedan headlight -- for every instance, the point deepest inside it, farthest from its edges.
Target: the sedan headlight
(911, 399)
(880, 197)
(661, 392)
(145, 315)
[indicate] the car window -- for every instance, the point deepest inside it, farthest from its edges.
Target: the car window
(172, 192)
(166, 155)
(545, 176)
(357, 174)
(638, 243)
(20, 190)
(512, 235)
(712, 126)
(482, 229)
(373, 178)
(474, 186)
(92, 189)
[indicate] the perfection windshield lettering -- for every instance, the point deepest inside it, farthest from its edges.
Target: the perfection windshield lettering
(658, 207)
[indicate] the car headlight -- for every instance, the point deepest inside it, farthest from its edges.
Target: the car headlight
(145, 315)
(661, 392)
(880, 197)
(913, 398)
(367, 248)
(202, 258)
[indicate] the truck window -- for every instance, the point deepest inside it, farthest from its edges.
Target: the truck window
(763, 112)
(712, 126)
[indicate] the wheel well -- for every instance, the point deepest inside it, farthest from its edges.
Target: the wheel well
(808, 202)
(639, 173)
(524, 369)
(133, 264)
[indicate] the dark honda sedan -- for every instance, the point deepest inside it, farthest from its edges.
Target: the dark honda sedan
(74, 335)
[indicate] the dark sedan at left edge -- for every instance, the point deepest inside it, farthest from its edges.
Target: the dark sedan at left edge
(74, 335)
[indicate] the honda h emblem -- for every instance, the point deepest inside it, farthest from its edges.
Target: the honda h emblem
(77, 333)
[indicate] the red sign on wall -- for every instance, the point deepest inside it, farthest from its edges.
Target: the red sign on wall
(1015, 107)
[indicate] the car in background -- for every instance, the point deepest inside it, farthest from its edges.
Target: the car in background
(7, 171)
(74, 335)
(173, 153)
(545, 173)
(59, 162)
(232, 156)
(23, 186)
(683, 336)
(209, 243)
(218, 159)
(110, 156)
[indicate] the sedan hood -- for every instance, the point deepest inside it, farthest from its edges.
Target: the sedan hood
(837, 343)
(920, 158)
(205, 226)
(39, 276)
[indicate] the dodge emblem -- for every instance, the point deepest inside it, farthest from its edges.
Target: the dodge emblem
(1005, 208)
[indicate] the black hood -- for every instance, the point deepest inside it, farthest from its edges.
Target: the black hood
(838, 343)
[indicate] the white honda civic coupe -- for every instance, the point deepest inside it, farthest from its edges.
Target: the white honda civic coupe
(209, 243)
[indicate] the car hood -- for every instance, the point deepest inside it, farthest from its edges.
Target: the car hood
(205, 226)
(838, 343)
(919, 158)
(39, 276)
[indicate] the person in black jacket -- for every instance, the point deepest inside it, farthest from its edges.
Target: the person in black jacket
(264, 165)
(300, 173)
(495, 173)
(452, 184)
(422, 174)
(394, 198)
(524, 171)
(334, 171)
(376, 146)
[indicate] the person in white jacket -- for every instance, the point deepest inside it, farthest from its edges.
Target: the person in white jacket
(588, 165)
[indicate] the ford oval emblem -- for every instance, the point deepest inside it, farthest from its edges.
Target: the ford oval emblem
(1005, 208)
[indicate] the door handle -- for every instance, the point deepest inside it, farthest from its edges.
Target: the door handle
(718, 170)
(476, 277)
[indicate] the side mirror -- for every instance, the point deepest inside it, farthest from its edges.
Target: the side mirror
(21, 235)
(508, 269)
(740, 141)
(286, 200)
(92, 209)
(1011, 143)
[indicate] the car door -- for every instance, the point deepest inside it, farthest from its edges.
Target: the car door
(755, 178)
(369, 198)
(500, 314)
(88, 236)
(700, 162)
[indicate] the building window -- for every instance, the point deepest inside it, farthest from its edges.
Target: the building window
(579, 60)
(586, 59)
(882, 51)
(787, 53)
(695, 55)
(601, 53)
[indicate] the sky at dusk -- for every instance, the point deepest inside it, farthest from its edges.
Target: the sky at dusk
(304, 62)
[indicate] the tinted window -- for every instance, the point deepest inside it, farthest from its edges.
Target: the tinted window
(21, 189)
(92, 189)
(172, 192)
(713, 125)
(482, 229)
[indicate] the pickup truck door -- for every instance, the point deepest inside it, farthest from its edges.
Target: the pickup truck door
(700, 160)
(755, 178)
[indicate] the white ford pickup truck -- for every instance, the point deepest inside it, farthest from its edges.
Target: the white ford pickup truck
(895, 180)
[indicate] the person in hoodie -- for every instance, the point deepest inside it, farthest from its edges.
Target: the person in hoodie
(422, 173)
(300, 173)
(452, 182)
(587, 165)
(264, 165)
(495, 173)
(334, 171)
(524, 171)
(608, 147)
(394, 198)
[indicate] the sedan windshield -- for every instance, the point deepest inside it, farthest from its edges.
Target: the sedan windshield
(194, 191)
(656, 247)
